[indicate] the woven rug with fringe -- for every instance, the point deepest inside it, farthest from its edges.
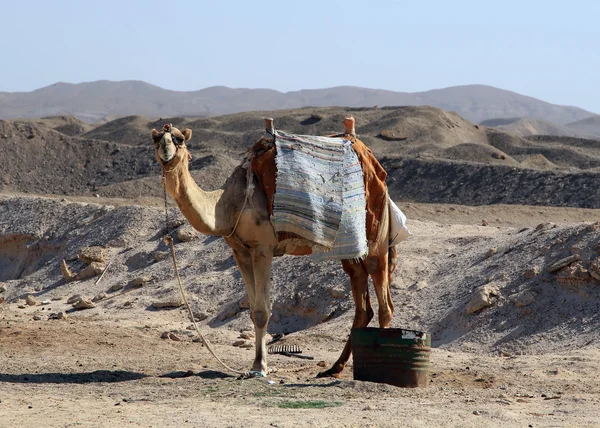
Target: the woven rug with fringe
(320, 195)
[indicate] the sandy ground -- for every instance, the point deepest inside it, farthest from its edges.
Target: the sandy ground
(109, 367)
(82, 373)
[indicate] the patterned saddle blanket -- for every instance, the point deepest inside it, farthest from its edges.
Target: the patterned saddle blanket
(328, 190)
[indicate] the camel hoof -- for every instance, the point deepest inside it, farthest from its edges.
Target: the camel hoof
(252, 374)
(332, 372)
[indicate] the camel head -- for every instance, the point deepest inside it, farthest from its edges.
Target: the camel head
(170, 144)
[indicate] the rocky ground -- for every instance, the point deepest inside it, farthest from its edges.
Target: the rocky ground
(514, 344)
(503, 270)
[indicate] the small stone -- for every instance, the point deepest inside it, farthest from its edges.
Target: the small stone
(476, 412)
(491, 252)
(244, 302)
(175, 303)
(46, 302)
(37, 317)
(92, 254)
(231, 312)
(170, 335)
(91, 270)
(532, 272)
(321, 364)
(83, 303)
(200, 316)
(595, 269)
(505, 402)
(2, 288)
(100, 296)
(116, 287)
(576, 250)
(573, 275)
(239, 342)
(185, 234)
(562, 263)
(482, 297)
(336, 293)
(248, 335)
(74, 298)
(522, 299)
(65, 271)
(543, 226)
(160, 255)
(30, 300)
(140, 281)
(21, 306)
(117, 243)
(62, 316)
(484, 222)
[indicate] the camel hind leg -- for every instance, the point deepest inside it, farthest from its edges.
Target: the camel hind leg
(379, 269)
(359, 280)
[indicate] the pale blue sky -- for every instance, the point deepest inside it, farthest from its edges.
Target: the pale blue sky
(546, 49)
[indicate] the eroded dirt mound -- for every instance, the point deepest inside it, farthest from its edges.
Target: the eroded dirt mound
(531, 290)
(440, 271)
(452, 153)
(39, 233)
(465, 183)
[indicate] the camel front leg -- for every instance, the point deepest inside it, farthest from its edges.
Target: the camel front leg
(243, 259)
(262, 258)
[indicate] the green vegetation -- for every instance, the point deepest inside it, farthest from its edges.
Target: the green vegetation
(308, 404)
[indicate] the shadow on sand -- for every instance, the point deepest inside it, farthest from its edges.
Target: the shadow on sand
(87, 377)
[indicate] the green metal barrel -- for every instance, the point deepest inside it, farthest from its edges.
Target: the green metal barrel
(391, 355)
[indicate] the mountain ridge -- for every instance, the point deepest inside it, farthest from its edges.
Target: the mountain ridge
(95, 101)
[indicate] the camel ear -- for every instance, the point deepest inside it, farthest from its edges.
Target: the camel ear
(187, 134)
(156, 135)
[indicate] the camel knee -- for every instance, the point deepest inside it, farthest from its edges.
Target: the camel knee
(260, 318)
(385, 317)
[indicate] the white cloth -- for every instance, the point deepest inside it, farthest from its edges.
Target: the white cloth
(398, 230)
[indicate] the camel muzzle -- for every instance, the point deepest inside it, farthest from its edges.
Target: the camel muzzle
(166, 150)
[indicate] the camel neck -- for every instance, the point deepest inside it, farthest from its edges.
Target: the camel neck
(200, 208)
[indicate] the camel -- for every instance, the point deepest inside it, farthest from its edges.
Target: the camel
(245, 225)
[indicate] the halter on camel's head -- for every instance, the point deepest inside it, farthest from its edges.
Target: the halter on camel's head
(169, 143)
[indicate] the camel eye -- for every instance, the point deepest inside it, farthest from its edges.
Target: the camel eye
(178, 141)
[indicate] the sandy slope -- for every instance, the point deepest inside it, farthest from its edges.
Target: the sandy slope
(107, 366)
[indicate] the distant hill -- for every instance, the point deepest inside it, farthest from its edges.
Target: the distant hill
(60, 155)
(94, 101)
(589, 127)
(526, 126)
